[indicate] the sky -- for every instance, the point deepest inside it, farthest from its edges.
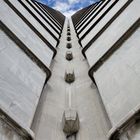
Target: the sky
(68, 7)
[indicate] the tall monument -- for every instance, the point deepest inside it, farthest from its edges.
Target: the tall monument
(70, 79)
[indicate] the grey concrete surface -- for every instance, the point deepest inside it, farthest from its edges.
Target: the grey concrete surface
(97, 17)
(34, 22)
(46, 17)
(7, 133)
(132, 133)
(48, 14)
(102, 23)
(82, 95)
(21, 82)
(41, 19)
(94, 13)
(59, 25)
(113, 33)
(86, 16)
(118, 80)
(101, 108)
(25, 34)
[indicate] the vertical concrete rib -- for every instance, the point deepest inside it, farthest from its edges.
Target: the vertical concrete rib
(84, 97)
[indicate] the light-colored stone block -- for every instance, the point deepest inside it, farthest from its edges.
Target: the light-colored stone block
(34, 22)
(103, 22)
(118, 80)
(46, 17)
(113, 33)
(25, 34)
(97, 16)
(21, 82)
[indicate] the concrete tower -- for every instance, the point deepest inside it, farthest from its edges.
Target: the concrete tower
(70, 79)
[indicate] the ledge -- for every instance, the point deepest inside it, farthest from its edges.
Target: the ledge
(105, 27)
(134, 115)
(130, 119)
(22, 130)
(33, 28)
(115, 46)
(25, 49)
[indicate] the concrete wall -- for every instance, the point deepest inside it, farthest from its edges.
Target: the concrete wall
(7, 133)
(21, 81)
(85, 16)
(110, 44)
(46, 16)
(42, 7)
(25, 34)
(118, 79)
(40, 18)
(27, 48)
(81, 95)
(108, 38)
(35, 23)
(94, 12)
(26, 53)
(102, 23)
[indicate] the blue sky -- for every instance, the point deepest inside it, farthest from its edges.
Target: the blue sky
(68, 7)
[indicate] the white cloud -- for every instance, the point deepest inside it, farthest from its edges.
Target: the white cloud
(69, 13)
(65, 7)
(73, 1)
(61, 6)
